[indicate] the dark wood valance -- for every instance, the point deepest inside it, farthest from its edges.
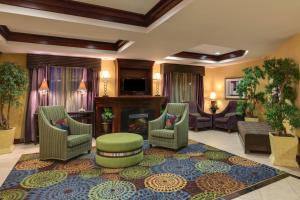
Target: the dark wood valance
(38, 60)
(170, 67)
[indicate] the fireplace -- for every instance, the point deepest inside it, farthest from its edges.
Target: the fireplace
(136, 121)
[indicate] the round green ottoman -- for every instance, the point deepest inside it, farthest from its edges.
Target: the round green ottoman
(118, 150)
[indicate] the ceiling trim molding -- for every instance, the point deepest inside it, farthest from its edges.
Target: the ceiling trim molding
(81, 9)
(210, 57)
(60, 41)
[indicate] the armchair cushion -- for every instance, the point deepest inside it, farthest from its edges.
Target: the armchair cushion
(222, 119)
(195, 114)
(230, 114)
(203, 119)
(163, 133)
(74, 140)
(61, 124)
(171, 120)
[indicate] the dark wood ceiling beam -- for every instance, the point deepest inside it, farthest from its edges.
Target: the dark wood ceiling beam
(59, 41)
(81, 9)
(216, 58)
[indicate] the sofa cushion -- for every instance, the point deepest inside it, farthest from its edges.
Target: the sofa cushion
(163, 133)
(171, 120)
(74, 140)
(203, 119)
(221, 119)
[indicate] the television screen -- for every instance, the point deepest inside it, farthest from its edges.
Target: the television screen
(133, 85)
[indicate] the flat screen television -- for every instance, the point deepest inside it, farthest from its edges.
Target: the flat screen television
(134, 85)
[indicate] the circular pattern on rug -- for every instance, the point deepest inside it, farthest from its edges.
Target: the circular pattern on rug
(112, 177)
(195, 154)
(136, 172)
(91, 173)
(252, 175)
(165, 182)
(32, 164)
(242, 161)
(29, 156)
(12, 194)
(212, 166)
(217, 155)
(111, 170)
(219, 182)
(43, 179)
(151, 160)
(112, 190)
(146, 194)
(184, 168)
(75, 166)
(159, 152)
(71, 188)
(181, 156)
(15, 177)
(193, 148)
(210, 148)
(206, 196)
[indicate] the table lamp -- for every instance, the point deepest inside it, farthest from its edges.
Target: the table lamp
(157, 78)
(82, 90)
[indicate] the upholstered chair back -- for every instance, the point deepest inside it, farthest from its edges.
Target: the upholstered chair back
(176, 108)
(192, 106)
(53, 112)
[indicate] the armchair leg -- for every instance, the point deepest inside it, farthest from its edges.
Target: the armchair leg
(229, 130)
(196, 129)
(150, 145)
(89, 151)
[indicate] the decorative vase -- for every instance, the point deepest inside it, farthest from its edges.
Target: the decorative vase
(106, 127)
(284, 150)
(7, 140)
(251, 119)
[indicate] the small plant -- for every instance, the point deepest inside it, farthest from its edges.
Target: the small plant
(247, 90)
(13, 83)
(107, 115)
(283, 75)
(213, 108)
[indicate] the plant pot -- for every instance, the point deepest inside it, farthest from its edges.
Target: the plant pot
(106, 127)
(251, 119)
(284, 150)
(7, 140)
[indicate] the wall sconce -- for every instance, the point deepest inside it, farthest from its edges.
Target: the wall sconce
(82, 90)
(157, 78)
(213, 102)
(105, 76)
(43, 90)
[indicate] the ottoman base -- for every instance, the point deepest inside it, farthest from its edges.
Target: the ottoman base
(119, 162)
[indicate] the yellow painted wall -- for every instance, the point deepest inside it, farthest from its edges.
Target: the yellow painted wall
(17, 115)
(157, 69)
(110, 66)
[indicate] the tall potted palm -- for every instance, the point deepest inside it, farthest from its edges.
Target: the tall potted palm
(13, 83)
(283, 75)
(247, 90)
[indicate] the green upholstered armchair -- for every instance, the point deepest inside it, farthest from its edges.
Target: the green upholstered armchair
(173, 139)
(56, 143)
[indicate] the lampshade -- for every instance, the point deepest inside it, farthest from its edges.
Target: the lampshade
(44, 87)
(156, 76)
(105, 74)
(82, 87)
(213, 96)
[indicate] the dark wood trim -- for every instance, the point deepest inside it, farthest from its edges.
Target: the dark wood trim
(18, 141)
(59, 41)
(98, 12)
(216, 58)
(170, 67)
(41, 60)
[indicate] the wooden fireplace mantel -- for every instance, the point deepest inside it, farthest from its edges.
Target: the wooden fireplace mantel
(118, 104)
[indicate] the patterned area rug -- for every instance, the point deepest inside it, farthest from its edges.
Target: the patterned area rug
(198, 171)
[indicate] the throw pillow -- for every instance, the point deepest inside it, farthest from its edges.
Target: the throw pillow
(61, 124)
(171, 120)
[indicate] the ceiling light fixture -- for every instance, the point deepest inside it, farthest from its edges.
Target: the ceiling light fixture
(218, 53)
(173, 58)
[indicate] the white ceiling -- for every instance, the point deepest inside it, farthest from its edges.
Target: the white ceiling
(137, 6)
(257, 26)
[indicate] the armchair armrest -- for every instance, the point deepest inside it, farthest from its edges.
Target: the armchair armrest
(157, 123)
(78, 128)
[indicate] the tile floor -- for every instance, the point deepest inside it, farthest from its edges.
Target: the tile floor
(285, 189)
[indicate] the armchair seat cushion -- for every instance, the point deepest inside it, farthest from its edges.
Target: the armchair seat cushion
(195, 114)
(203, 119)
(74, 140)
(163, 133)
(221, 119)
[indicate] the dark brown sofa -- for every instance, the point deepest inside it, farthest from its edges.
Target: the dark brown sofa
(255, 136)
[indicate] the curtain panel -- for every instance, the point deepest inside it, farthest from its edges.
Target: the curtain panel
(63, 85)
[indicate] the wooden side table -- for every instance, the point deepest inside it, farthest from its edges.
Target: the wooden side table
(84, 117)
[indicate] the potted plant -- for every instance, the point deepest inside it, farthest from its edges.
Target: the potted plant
(107, 117)
(247, 90)
(283, 75)
(13, 83)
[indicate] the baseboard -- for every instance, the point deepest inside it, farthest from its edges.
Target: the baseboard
(18, 141)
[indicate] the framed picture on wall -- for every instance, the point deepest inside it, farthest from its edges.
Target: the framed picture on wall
(231, 88)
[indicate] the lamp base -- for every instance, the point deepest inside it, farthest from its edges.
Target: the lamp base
(157, 95)
(105, 95)
(81, 110)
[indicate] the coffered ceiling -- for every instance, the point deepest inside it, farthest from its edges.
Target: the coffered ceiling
(198, 26)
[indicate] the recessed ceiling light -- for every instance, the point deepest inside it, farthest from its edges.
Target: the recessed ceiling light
(173, 58)
(218, 53)
(203, 57)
